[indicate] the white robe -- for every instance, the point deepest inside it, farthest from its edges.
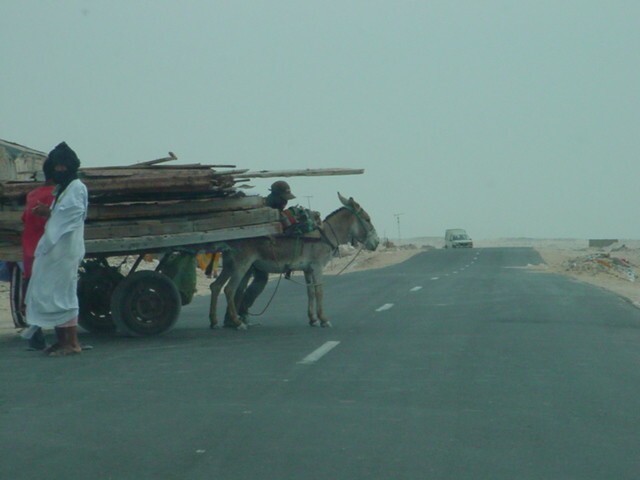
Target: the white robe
(52, 297)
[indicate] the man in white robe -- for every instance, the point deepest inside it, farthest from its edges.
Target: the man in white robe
(52, 300)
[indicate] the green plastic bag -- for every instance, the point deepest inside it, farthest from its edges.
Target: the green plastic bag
(181, 268)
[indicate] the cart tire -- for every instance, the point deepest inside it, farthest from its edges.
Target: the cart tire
(96, 285)
(145, 303)
(16, 294)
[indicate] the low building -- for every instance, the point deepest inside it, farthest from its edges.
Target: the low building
(18, 162)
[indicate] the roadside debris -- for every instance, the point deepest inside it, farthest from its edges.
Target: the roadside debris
(602, 263)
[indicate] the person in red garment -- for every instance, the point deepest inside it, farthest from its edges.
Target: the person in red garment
(33, 224)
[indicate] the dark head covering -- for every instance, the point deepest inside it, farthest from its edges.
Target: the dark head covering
(64, 155)
(279, 196)
(47, 169)
(282, 190)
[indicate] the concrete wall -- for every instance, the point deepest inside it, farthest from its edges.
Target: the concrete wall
(602, 242)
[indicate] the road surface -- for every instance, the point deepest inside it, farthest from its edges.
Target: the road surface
(458, 364)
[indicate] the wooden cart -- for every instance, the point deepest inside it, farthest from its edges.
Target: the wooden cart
(142, 302)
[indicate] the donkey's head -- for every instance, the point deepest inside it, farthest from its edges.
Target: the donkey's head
(361, 229)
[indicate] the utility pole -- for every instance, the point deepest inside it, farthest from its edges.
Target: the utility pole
(397, 215)
(308, 197)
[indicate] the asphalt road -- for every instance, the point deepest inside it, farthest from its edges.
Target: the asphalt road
(453, 365)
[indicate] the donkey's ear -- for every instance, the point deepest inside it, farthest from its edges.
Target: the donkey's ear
(343, 200)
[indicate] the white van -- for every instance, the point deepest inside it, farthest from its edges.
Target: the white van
(457, 238)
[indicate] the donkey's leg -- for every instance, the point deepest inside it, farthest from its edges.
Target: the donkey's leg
(311, 297)
(319, 294)
(215, 288)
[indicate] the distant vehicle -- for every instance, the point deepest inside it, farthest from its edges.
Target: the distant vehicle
(457, 238)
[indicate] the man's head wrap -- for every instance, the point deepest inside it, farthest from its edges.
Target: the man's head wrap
(47, 169)
(64, 155)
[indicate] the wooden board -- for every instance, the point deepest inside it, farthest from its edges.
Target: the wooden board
(10, 252)
(115, 229)
(155, 243)
(309, 172)
(196, 240)
(11, 219)
(121, 184)
(170, 208)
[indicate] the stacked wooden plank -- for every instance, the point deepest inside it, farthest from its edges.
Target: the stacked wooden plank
(151, 206)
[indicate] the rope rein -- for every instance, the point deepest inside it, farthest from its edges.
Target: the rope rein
(351, 261)
(269, 302)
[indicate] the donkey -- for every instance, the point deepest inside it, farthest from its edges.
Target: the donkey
(278, 254)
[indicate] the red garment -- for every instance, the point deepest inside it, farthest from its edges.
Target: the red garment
(34, 224)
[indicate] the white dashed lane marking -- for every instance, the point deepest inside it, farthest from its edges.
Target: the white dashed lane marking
(387, 306)
(319, 353)
(384, 307)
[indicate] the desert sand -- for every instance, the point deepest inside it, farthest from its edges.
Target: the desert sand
(612, 268)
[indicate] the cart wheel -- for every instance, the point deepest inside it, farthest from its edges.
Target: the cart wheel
(16, 293)
(145, 303)
(95, 288)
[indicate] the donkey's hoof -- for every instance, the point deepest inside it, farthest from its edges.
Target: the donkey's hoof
(326, 324)
(214, 326)
(314, 323)
(242, 326)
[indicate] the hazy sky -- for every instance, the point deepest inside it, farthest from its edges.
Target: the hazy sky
(511, 118)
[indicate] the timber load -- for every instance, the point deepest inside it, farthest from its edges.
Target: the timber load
(151, 206)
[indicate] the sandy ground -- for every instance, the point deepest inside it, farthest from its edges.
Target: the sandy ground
(612, 268)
